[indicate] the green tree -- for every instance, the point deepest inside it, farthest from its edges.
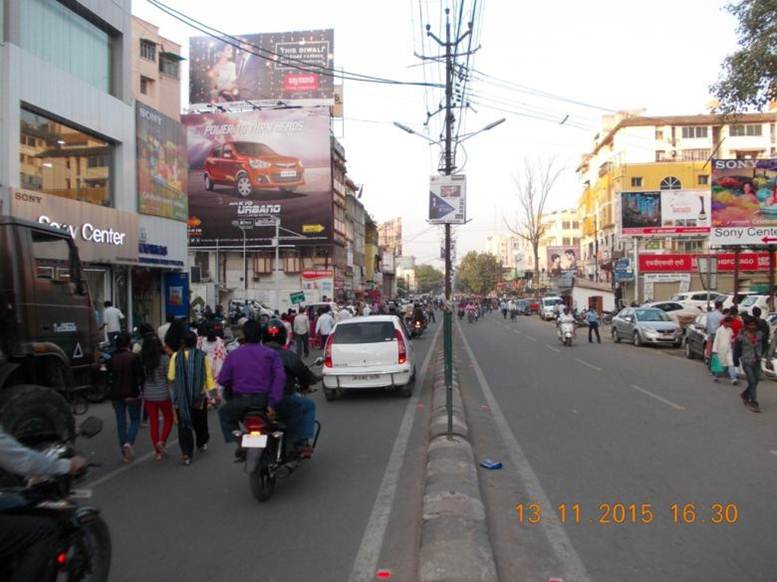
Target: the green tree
(749, 76)
(401, 287)
(478, 273)
(428, 278)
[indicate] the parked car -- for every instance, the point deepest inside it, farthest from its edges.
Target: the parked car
(246, 166)
(682, 314)
(534, 306)
(729, 300)
(646, 325)
(696, 338)
(369, 352)
(522, 307)
(548, 307)
(760, 301)
(697, 298)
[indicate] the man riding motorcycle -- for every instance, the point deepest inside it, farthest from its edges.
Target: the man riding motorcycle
(418, 314)
(30, 540)
(295, 410)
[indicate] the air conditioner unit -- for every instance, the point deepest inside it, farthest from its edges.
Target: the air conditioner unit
(195, 275)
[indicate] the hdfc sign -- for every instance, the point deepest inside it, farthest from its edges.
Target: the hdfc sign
(676, 263)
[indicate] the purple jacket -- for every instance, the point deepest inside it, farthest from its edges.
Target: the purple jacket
(254, 369)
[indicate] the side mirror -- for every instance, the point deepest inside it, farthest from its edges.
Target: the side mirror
(318, 361)
(90, 427)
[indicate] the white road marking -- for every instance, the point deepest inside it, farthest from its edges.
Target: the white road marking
(125, 468)
(588, 364)
(366, 562)
(573, 568)
(659, 398)
(528, 337)
(552, 349)
(773, 452)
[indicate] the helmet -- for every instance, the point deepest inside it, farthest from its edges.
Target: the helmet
(274, 331)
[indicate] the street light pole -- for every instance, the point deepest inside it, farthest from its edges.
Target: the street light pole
(245, 267)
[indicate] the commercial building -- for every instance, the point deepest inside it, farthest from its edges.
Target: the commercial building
(390, 236)
(156, 63)
(68, 152)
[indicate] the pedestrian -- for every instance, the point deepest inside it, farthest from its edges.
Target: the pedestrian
(366, 310)
(324, 326)
(192, 379)
(213, 346)
(162, 329)
(763, 327)
(592, 319)
(431, 313)
(714, 319)
(156, 393)
(301, 329)
(112, 318)
(286, 319)
(125, 386)
(723, 349)
(751, 352)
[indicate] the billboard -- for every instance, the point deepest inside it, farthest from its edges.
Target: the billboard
(744, 202)
(563, 261)
(686, 263)
(274, 66)
(250, 165)
(665, 213)
(448, 199)
(162, 171)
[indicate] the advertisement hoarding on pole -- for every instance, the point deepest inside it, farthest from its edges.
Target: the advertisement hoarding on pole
(665, 213)
(282, 66)
(744, 202)
(255, 164)
(448, 199)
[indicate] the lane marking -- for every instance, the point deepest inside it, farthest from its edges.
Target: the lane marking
(552, 349)
(571, 564)
(773, 452)
(366, 562)
(659, 398)
(528, 337)
(588, 364)
(125, 468)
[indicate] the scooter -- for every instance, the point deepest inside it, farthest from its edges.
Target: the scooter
(83, 545)
(566, 332)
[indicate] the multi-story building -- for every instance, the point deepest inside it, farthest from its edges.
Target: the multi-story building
(511, 251)
(155, 69)
(406, 272)
(390, 236)
(355, 215)
(68, 153)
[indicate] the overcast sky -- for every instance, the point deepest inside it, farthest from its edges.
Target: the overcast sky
(608, 54)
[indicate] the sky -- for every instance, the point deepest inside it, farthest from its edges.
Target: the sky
(604, 55)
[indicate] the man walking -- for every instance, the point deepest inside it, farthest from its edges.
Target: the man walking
(112, 317)
(751, 351)
(301, 329)
(324, 326)
(592, 319)
(714, 320)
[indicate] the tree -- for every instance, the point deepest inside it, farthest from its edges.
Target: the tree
(749, 76)
(402, 289)
(533, 186)
(428, 278)
(478, 273)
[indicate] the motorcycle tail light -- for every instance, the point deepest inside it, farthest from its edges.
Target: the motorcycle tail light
(61, 559)
(401, 347)
(328, 351)
(254, 424)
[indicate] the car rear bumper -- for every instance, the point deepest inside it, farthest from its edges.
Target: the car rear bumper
(392, 378)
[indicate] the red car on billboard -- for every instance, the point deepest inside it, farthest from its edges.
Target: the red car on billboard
(247, 166)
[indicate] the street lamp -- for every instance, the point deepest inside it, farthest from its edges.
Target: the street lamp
(413, 132)
(491, 125)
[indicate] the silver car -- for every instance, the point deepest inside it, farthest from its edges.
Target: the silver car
(646, 325)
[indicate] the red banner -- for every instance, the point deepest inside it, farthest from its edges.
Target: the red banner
(679, 263)
(300, 82)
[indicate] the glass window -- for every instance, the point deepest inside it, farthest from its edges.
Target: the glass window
(659, 134)
(691, 132)
(148, 49)
(745, 130)
(52, 257)
(636, 182)
(56, 147)
(704, 179)
(168, 67)
(56, 34)
(365, 333)
(698, 155)
(671, 183)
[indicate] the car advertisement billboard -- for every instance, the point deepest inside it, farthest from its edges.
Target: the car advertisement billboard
(246, 166)
(274, 66)
(162, 171)
(665, 213)
(744, 202)
(563, 261)
(448, 199)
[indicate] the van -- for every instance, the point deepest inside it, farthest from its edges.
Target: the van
(548, 306)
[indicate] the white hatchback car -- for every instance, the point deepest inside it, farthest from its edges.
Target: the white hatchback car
(369, 352)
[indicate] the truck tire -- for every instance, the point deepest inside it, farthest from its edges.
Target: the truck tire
(35, 414)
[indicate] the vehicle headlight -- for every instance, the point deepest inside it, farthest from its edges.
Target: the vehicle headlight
(648, 330)
(259, 164)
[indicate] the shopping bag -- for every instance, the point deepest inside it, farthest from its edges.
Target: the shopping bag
(715, 366)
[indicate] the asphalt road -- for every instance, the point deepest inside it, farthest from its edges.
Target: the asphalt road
(600, 425)
(352, 509)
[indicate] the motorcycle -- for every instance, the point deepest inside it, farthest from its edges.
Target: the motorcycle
(470, 317)
(417, 328)
(84, 541)
(566, 332)
(266, 454)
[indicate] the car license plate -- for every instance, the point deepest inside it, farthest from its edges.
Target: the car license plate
(254, 441)
(288, 174)
(366, 377)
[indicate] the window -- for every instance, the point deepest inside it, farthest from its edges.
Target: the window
(636, 182)
(773, 132)
(671, 183)
(660, 155)
(745, 130)
(694, 131)
(365, 333)
(659, 134)
(168, 66)
(56, 34)
(263, 264)
(703, 180)
(52, 257)
(54, 153)
(148, 49)
(146, 85)
(575, 224)
(565, 225)
(292, 264)
(696, 155)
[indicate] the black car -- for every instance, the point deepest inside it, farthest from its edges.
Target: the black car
(696, 338)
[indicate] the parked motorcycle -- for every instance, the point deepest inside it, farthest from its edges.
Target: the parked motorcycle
(566, 332)
(84, 541)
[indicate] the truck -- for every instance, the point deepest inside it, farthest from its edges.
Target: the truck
(49, 338)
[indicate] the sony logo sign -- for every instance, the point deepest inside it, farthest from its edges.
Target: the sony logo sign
(733, 164)
(150, 115)
(88, 232)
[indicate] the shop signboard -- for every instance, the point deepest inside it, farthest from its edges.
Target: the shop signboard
(744, 202)
(161, 161)
(686, 263)
(623, 271)
(665, 213)
(297, 297)
(275, 67)
(177, 294)
(255, 164)
(102, 235)
(448, 199)
(318, 284)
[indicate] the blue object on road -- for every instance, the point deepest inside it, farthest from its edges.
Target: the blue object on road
(491, 465)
